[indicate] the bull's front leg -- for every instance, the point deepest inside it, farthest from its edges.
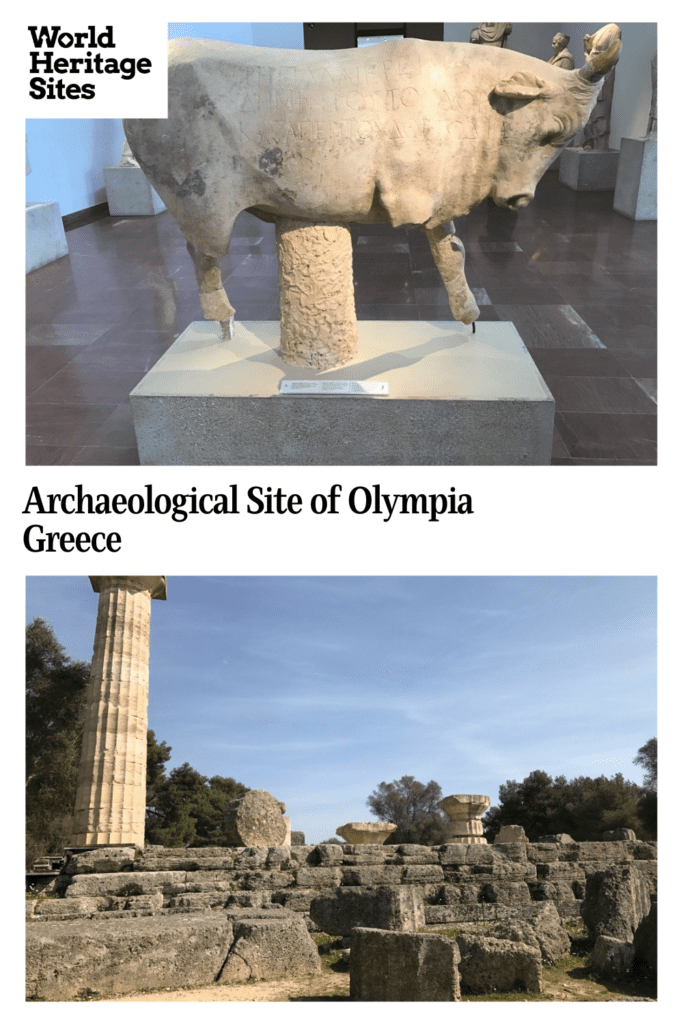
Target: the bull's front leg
(449, 255)
(215, 302)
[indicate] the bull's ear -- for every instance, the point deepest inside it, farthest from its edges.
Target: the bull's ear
(520, 86)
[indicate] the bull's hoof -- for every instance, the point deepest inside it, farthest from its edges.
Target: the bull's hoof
(468, 314)
(216, 306)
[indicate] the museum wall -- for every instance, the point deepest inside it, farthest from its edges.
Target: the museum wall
(67, 155)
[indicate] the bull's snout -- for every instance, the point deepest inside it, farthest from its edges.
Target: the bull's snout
(516, 202)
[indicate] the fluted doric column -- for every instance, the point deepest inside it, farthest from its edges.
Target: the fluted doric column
(110, 799)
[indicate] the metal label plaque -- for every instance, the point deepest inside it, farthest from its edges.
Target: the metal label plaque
(334, 387)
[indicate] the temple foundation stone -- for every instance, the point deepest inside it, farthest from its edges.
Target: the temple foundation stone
(110, 798)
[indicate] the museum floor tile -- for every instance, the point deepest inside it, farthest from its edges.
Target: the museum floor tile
(577, 279)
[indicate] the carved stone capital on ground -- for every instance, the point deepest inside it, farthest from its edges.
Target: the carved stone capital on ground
(361, 832)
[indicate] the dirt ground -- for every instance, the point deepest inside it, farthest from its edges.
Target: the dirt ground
(327, 987)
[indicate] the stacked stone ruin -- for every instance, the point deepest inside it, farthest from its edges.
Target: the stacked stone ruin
(181, 889)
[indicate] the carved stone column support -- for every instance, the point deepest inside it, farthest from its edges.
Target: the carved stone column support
(110, 799)
(464, 812)
(364, 832)
(317, 310)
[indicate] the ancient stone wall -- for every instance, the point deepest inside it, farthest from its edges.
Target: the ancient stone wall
(459, 882)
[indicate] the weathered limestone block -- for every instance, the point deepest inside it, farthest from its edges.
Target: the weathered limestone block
(280, 857)
(117, 858)
(617, 900)
(642, 851)
(317, 308)
(373, 874)
(619, 835)
(414, 852)
(394, 907)
(511, 834)
(480, 855)
(561, 872)
(542, 853)
(512, 851)
(197, 901)
(377, 854)
(498, 965)
(83, 905)
(242, 898)
(403, 967)
(304, 854)
(428, 873)
(255, 819)
(452, 853)
(645, 946)
(111, 957)
(360, 833)
(110, 796)
(330, 854)
(464, 812)
(153, 901)
(250, 859)
(128, 883)
(264, 879)
(208, 858)
(265, 947)
(612, 958)
(505, 892)
(323, 877)
(298, 900)
(544, 930)
(560, 837)
(373, 857)
(551, 891)
(608, 853)
(213, 881)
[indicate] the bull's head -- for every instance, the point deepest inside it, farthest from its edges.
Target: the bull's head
(539, 116)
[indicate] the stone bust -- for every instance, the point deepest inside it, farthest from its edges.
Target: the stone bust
(561, 57)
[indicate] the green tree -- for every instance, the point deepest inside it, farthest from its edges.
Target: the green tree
(647, 805)
(187, 808)
(55, 704)
(413, 807)
(647, 759)
(584, 807)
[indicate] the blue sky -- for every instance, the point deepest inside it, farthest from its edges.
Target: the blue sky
(319, 688)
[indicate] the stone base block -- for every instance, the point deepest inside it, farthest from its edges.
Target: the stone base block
(498, 965)
(45, 237)
(129, 193)
(103, 958)
(398, 908)
(589, 170)
(455, 398)
(403, 967)
(635, 194)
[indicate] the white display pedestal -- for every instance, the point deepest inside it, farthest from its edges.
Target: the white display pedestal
(45, 237)
(129, 193)
(589, 170)
(455, 398)
(635, 194)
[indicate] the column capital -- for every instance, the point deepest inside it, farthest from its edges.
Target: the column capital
(156, 585)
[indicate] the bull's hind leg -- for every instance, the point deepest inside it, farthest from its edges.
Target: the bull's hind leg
(449, 256)
(215, 302)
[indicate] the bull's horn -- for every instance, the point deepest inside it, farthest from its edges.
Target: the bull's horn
(603, 50)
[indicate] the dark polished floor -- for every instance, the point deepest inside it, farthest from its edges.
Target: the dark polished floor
(576, 279)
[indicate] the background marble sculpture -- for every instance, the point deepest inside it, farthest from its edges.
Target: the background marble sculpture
(410, 132)
(491, 33)
(561, 57)
(596, 131)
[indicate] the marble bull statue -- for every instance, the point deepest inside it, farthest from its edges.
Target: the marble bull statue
(409, 132)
